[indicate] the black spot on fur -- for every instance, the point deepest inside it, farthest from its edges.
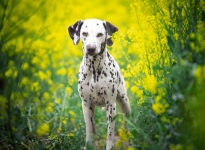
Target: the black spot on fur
(108, 55)
(110, 117)
(113, 89)
(110, 110)
(104, 73)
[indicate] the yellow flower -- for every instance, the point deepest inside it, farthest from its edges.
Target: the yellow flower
(61, 71)
(71, 134)
(136, 90)
(15, 73)
(24, 81)
(192, 45)
(43, 129)
(49, 81)
(199, 74)
(141, 101)
(35, 60)
(71, 81)
(159, 105)
(58, 100)
(35, 87)
(42, 75)
(70, 72)
(43, 64)
(46, 95)
(49, 108)
(9, 73)
(192, 35)
(69, 90)
(72, 113)
(151, 84)
(25, 66)
(124, 136)
(65, 120)
(158, 108)
(130, 148)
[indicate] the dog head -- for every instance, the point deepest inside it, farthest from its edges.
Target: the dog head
(94, 34)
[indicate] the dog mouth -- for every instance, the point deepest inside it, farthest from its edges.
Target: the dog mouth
(91, 53)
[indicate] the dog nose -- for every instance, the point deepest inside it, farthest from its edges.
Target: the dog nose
(91, 49)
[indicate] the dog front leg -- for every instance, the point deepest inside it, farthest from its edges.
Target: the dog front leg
(111, 112)
(88, 112)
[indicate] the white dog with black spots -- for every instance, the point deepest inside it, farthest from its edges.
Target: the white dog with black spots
(100, 80)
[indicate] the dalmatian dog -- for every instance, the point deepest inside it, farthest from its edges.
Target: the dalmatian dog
(100, 80)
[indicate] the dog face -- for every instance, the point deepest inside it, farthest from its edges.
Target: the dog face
(94, 34)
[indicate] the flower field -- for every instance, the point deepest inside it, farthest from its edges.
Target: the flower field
(160, 47)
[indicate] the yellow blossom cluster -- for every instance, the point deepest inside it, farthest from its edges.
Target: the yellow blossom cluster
(159, 105)
(43, 129)
(199, 73)
(124, 137)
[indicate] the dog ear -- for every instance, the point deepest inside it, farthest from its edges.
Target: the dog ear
(74, 31)
(110, 30)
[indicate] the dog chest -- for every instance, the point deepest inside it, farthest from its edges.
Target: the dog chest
(99, 85)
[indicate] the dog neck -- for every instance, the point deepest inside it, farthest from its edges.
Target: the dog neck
(95, 63)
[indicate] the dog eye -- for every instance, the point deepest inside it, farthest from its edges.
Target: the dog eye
(85, 34)
(99, 34)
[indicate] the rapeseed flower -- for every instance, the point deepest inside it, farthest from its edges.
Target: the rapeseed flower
(25, 66)
(69, 90)
(131, 148)
(46, 95)
(43, 129)
(199, 73)
(24, 81)
(9, 73)
(72, 113)
(159, 105)
(49, 107)
(35, 87)
(158, 108)
(42, 75)
(151, 83)
(61, 71)
(137, 91)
